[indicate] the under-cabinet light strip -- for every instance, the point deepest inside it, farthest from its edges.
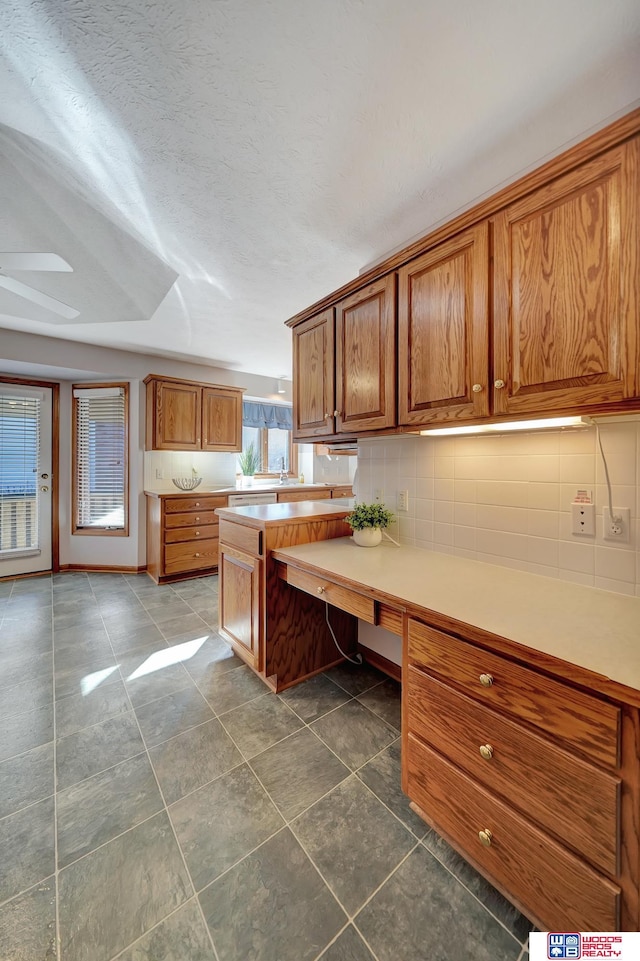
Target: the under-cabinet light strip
(548, 423)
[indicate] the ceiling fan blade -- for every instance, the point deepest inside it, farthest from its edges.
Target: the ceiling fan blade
(43, 300)
(34, 261)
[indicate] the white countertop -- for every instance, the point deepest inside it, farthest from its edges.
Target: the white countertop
(594, 629)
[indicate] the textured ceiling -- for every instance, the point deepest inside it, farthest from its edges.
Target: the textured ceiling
(260, 152)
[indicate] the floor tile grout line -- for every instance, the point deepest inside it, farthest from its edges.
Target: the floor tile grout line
(171, 914)
(469, 891)
(56, 872)
(173, 831)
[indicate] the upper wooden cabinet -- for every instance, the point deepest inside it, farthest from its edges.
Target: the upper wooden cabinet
(525, 305)
(344, 369)
(566, 287)
(221, 418)
(183, 415)
(443, 332)
(314, 377)
(365, 358)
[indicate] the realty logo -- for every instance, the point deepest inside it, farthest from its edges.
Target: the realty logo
(564, 945)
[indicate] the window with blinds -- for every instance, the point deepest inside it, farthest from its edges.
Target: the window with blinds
(100, 459)
(19, 452)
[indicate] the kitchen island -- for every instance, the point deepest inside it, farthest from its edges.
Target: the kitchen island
(520, 720)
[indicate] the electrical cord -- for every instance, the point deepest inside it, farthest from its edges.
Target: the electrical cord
(354, 660)
(614, 519)
(390, 538)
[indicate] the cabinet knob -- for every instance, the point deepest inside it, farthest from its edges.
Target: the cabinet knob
(328, 415)
(197, 503)
(196, 554)
(486, 751)
(320, 590)
(486, 680)
(498, 384)
(477, 388)
(485, 837)
(197, 519)
(336, 413)
(197, 533)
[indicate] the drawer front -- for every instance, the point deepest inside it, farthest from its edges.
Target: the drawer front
(174, 505)
(288, 497)
(244, 538)
(177, 534)
(585, 722)
(342, 597)
(559, 889)
(190, 556)
(566, 795)
(191, 518)
(342, 492)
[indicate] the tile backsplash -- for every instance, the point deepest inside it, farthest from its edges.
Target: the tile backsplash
(506, 498)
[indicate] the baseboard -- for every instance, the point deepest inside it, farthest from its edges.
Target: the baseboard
(382, 663)
(103, 568)
(21, 577)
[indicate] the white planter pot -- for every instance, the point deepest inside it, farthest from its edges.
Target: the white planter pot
(247, 480)
(368, 537)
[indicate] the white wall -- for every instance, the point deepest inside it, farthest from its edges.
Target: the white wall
(47, 358)
(505, 499)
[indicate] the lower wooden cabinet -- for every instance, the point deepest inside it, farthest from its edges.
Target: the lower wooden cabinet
(520, 772)
(278, 630)
(182, 536)
(240, 605)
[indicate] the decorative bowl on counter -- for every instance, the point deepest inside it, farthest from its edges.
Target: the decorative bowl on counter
(186, 483)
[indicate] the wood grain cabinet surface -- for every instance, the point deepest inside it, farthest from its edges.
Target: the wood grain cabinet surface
(525, 776)
(182, 536)
(184, 415)
(525, 305)
(279, 631)
(443, 332)
(565, 287)
(344, 369)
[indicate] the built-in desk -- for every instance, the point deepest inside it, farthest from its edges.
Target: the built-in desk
(520, 720)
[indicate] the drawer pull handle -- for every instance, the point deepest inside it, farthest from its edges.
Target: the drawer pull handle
(477, 388)
(197, 503)
(197, 533)
(486, 680)
(499, 384)
(197, 519)
(485, 837)
(196, 555)
(320, 590)
(486, 751)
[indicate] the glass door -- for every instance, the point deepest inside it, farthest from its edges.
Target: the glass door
(25, 479)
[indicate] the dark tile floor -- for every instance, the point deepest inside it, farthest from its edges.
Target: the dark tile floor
(158, 804)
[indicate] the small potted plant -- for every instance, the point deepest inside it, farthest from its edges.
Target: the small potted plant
(367, 522)
(249, 463)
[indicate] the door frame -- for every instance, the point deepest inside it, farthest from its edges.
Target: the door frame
(54, 386)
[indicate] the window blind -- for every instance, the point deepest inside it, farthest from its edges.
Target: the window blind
(100, 458)
(19, 451)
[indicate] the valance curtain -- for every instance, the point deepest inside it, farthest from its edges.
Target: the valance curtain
(266, 415)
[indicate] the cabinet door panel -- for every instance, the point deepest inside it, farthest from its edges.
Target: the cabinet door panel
(178, 416)
(313, 376)
(443, 332)
(565, 290)
(365, 358)
(240, 603)
(221, 419)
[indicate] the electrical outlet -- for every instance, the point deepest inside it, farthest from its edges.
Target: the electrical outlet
(159, 473)
(403, 500)
(583, 519)
(378, 494)
(617, 529)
